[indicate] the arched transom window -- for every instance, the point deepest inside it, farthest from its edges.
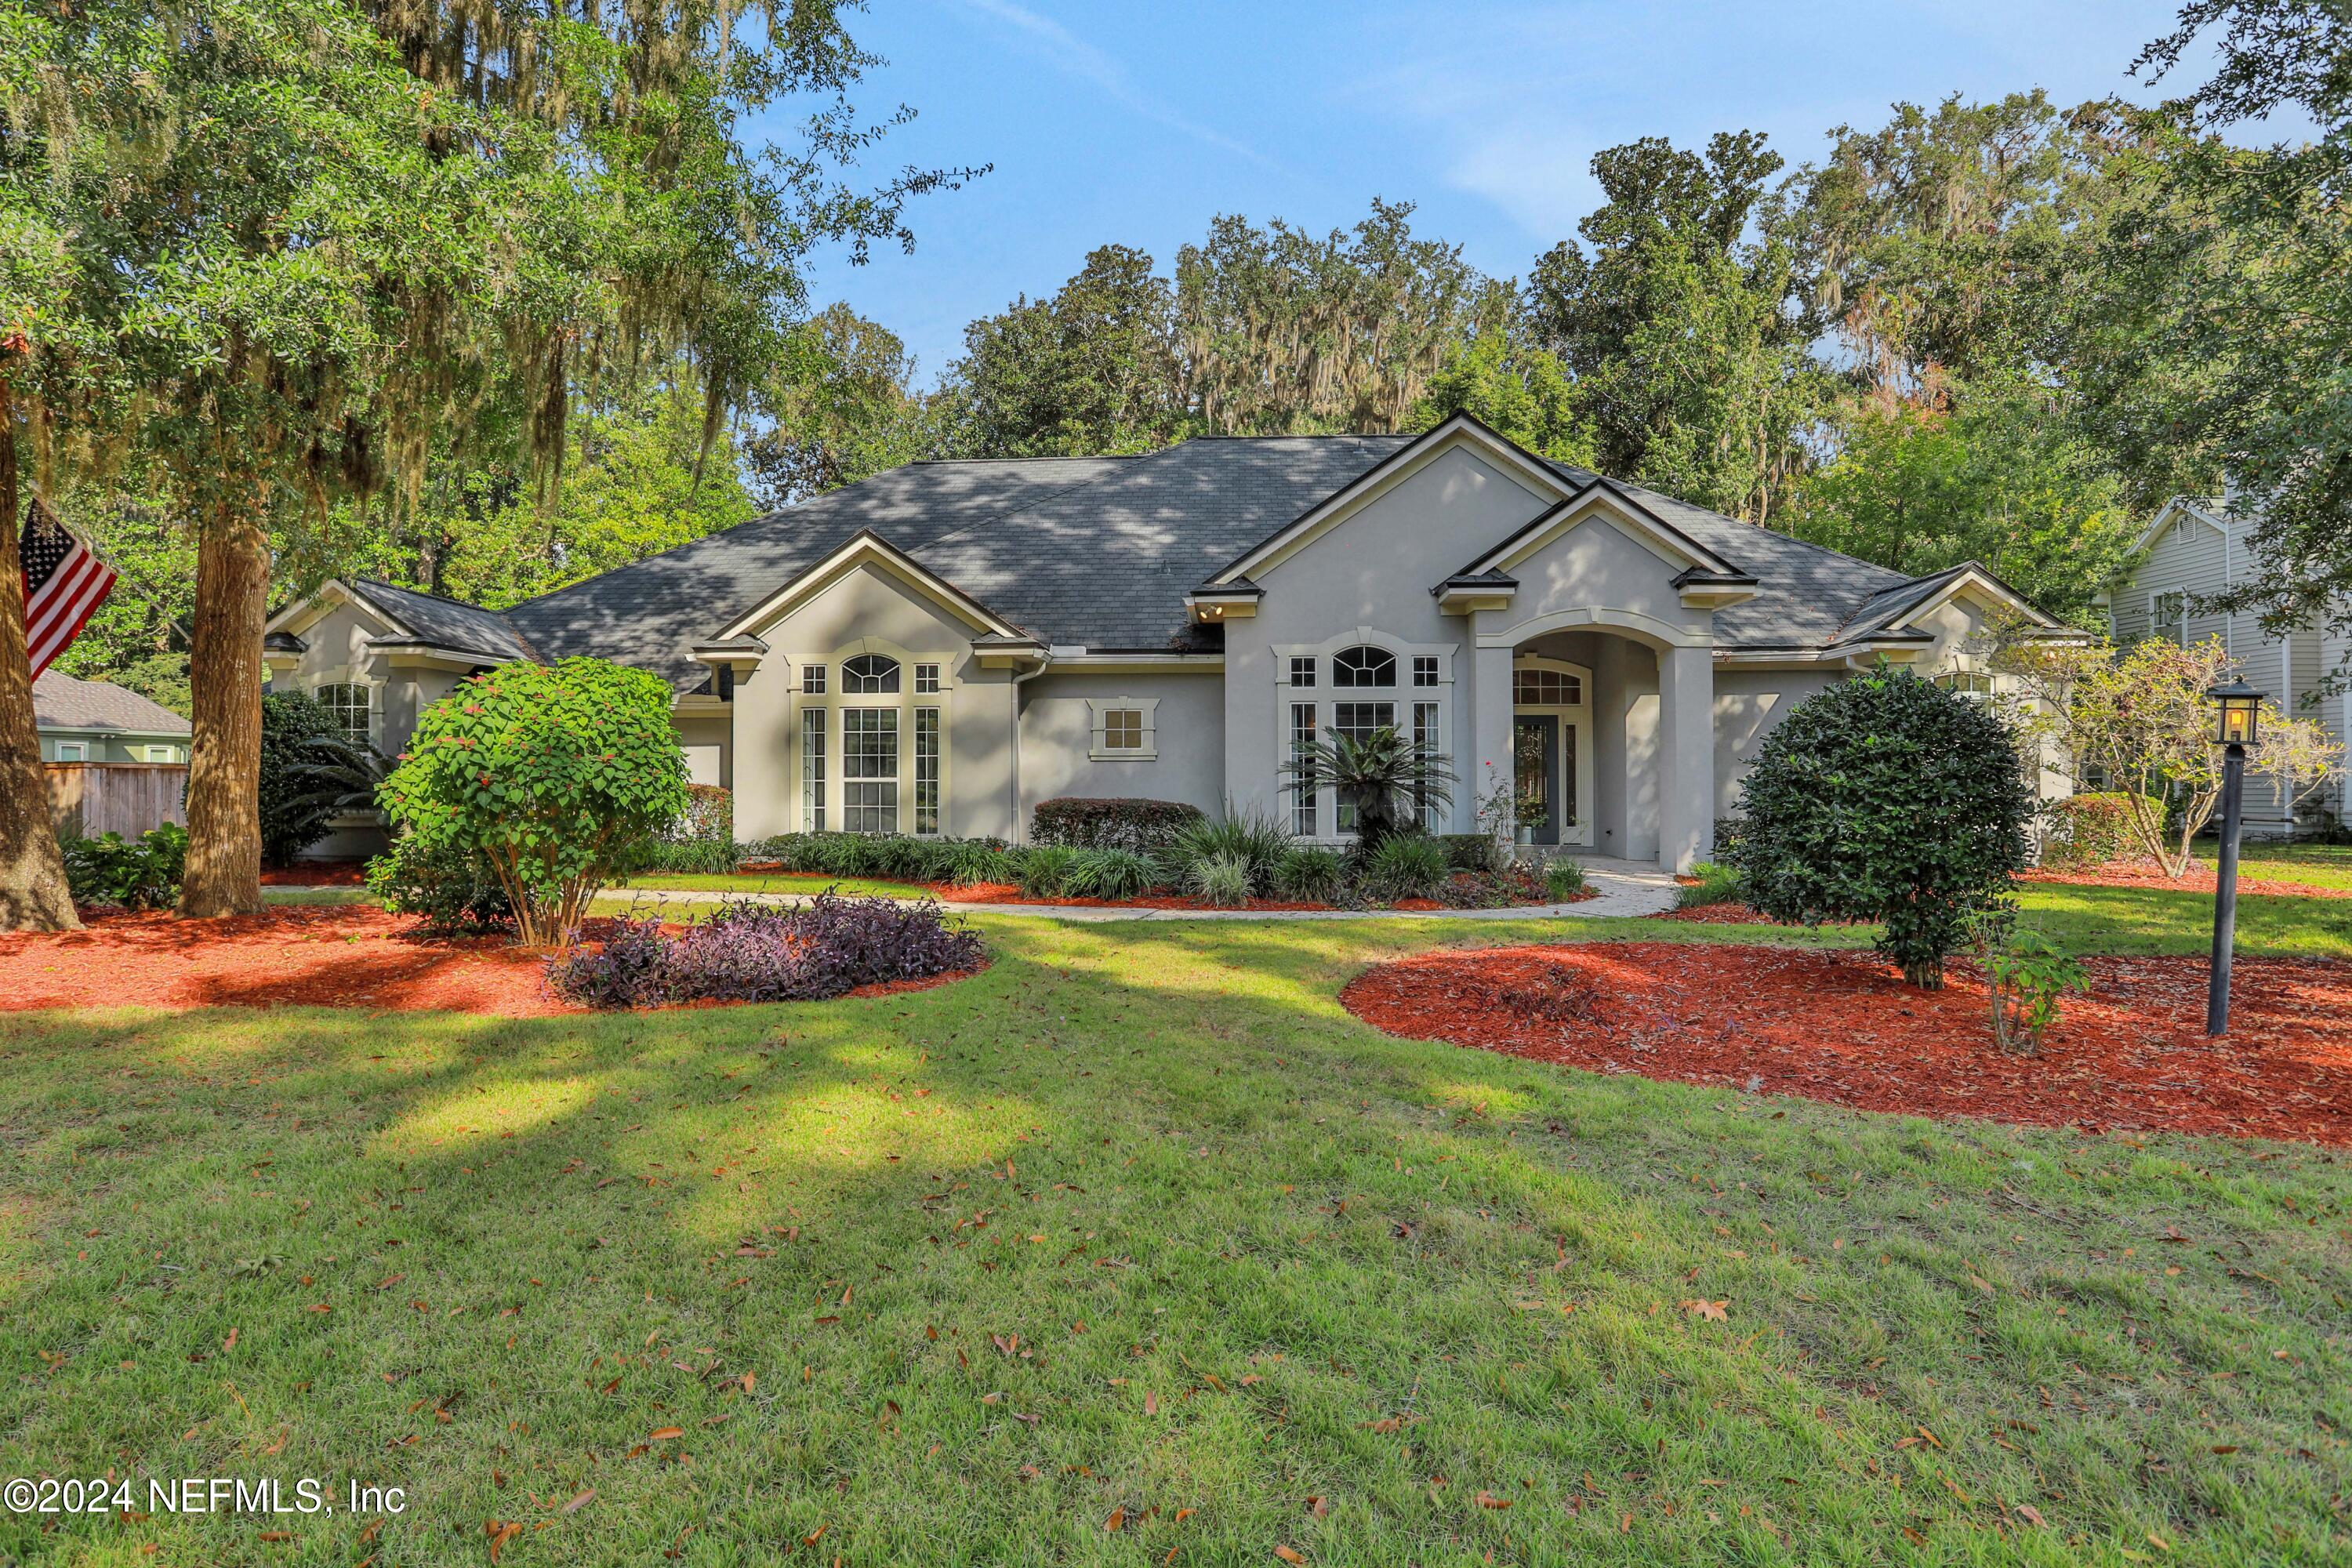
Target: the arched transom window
(1363, 666)
(869, 674)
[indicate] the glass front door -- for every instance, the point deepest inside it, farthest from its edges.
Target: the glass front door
(1536, 772)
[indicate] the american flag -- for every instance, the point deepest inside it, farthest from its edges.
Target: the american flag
(64, 585)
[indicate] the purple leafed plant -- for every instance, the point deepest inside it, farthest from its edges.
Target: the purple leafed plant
(759, 952)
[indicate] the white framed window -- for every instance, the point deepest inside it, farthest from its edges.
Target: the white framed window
(1424, 669)
(1430, 742)
(869, 766)
(2168, 614)
(1975, 684)
(163, 753)
(869, 674)
(927, 681)
(350, 704)
(926, 760)
(1123, 728)
(1359, 721)
(811, 680)
(1363, 665)
(1534, 687)
(813, 768)
(1302, 669)
(73, 751)
(1305, 796)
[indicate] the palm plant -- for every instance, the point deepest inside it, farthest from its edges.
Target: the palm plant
(1384, 776)
(339, 777)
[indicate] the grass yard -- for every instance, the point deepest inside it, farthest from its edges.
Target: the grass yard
(1135, 1244)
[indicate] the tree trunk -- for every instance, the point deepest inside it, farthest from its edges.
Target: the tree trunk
(33, 892)
(1928, 975)
(224, 875)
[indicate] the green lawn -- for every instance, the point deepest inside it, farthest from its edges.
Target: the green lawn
(1138, 1225)
(2314, 865)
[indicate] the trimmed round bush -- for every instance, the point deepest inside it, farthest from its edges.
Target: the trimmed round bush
(1075, 822)
(1885, 798)
(549, 774)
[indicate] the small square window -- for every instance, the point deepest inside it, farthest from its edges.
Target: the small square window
(1123, 730)
(1302, 669)
(812, 679)
(927, 679)
(73, 751)
(1424, 669)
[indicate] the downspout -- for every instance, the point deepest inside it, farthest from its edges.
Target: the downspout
(1013, 772)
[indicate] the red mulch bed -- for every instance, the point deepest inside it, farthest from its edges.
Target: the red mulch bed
(1842, 1027)
(2196, 880)
(343, 956)
(316, 874)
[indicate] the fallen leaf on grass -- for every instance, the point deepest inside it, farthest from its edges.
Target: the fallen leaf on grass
(664, 1433)
(2031, 1514)
(1290, 1555)
(1488, 1499)
(577, 1503)
(1117, 1517)
(1711, 1311)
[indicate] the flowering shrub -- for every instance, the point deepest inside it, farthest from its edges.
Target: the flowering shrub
(761, 953)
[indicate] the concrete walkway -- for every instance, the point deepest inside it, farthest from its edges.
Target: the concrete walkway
(1626, 888)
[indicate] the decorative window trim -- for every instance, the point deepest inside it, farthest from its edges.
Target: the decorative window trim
(1577, 672)
(1406, 652)
(1098, 710)
(830, 812)
(374, 705)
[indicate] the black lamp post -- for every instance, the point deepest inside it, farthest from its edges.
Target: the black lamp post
(2241, 719)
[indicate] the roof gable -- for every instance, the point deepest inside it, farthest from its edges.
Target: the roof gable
(1462, 431)
(866, 550)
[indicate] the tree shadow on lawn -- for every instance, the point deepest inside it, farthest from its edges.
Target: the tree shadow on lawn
(1308, 1260)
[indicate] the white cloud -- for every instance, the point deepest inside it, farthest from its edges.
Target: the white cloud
(1074, 55)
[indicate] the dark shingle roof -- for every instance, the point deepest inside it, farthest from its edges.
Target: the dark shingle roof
(1097, 552)
(61, 702)
(445, 623)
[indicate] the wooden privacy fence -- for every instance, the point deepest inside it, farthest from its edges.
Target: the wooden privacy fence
(129, 798)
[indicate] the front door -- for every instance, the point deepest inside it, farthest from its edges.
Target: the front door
(1537, 772)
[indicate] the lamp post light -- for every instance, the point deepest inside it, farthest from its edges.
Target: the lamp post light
(2238, 727)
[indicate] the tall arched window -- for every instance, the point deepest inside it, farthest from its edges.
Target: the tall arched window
(1363, 666)
(869, 674)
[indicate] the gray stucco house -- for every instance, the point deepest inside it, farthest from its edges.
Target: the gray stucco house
(940, 648)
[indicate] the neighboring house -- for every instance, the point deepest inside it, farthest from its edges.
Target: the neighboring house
(940, 648)
(96, 721)
(2196, 548)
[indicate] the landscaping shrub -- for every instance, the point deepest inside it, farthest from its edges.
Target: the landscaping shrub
(291, 820)
(1256, 838)
(1471, 852)
(2087, 830)
(759, 952)
(1406, 865)
(1110, 874)
(1043, 871)
(1221, 879)
(2026, 973)
(1310, 873)
(1384, 776)
(1717, 884)
(141, 873)
(968, 862)
(454, 890)
(548, 773)
(1563, 879)
(1885, 799)
(1145, 825)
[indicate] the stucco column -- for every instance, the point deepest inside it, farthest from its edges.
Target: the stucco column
(1490, 711)
(1686, 781)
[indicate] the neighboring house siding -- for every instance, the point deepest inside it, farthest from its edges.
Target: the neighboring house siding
(1060, 728)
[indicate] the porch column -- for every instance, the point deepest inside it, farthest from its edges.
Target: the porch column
(1686, 761)
(1490, 735)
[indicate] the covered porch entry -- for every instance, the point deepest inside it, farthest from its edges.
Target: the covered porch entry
(1608, 733)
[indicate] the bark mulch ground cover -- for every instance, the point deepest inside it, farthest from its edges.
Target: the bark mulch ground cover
(2196, 880)
(335, 956)
(1841, 1027)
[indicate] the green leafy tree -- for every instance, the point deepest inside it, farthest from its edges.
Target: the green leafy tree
(1688, 362)
(2004, 478)
(1521, 394)
(844, 406)
(1091, 369)
(1885, 798)
(549, 775)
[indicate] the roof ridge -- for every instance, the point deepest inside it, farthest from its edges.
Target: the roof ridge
(426, 594)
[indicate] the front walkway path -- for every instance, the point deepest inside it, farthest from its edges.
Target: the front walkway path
(1627, 887)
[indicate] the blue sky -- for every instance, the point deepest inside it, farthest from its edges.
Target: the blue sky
(1138, 122)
